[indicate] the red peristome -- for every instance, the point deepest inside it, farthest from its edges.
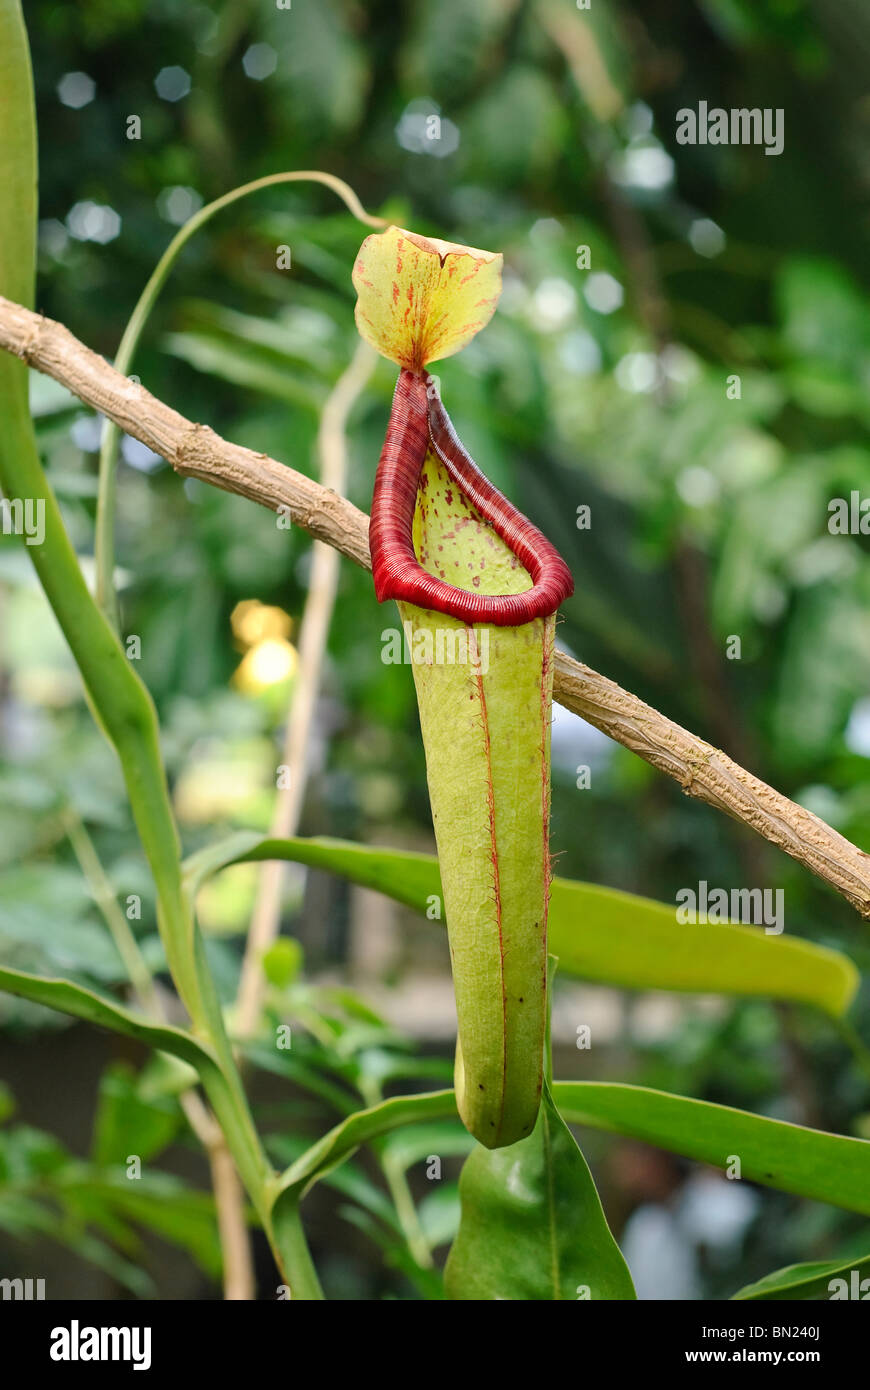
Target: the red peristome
(418, 420)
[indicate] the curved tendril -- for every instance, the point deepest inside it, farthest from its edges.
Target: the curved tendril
(104, 542)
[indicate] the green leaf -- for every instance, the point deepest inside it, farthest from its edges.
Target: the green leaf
(303, 1073)
(7, 1102)
(349, 1179)
(822, 663)
(19, 202)
(439, 1214)
(810, 1280)
(121, 704)
(34, 899)
(826, 1167)
(162, 1204)
(282, 962)
(532, 1225)
(78, 1002)
(605, 935)
(443, 1138)
(350, 1003)
(164, 1075)
(129, 1276)
(599, 934)
(395, 1253)
(358, 1129)
(449, 48)
(126, 1123)
(224, 1090)
(823, 311)
(30, 1155)
(323, 73)
(516, 127)
(242, 365)
(22, 1216)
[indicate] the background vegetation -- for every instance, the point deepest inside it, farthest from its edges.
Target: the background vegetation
(604, 388)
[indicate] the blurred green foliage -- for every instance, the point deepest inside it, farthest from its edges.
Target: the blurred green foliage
(603, 387)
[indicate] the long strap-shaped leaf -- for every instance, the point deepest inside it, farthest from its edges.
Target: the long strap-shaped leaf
(119, 699)
(830, 1279)
(78, 1002)
(121, 703)
(825, 1167)
(599, 934)
(808, 1162)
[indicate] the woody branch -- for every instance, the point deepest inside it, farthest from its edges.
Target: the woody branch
(194, 450)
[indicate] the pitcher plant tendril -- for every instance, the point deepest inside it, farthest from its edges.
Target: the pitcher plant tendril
(464, 564)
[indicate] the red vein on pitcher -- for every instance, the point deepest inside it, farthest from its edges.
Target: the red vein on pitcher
(496, 876)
